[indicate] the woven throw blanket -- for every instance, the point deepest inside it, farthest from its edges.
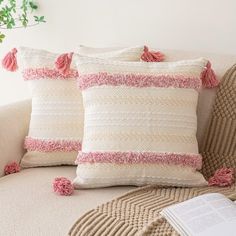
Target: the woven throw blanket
(219, 144)
(137, 212)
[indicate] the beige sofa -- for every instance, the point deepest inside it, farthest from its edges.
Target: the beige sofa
(28, 205)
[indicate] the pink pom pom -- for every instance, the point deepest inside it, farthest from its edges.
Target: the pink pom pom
(11, 168)
(9, 62)
(223, 177)
(63, 63)
(208, 77)
(63, 186)
(151, 56)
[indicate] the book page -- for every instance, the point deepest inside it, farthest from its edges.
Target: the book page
(197, 215)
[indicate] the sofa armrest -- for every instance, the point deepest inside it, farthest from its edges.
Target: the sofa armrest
(14, 125)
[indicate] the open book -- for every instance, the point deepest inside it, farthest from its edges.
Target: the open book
(206, 215)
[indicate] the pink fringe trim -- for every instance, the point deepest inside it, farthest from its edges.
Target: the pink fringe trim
(208, 77)
(223, 177)
(152, 56)
(63, 186)
(191, 160)
(133, 80)
(12, 168)
(46, 73)
(32, 144)
(63, 62)
(9, 62)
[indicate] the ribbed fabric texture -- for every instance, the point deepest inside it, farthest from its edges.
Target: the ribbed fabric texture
(137, 212)
(219, 145)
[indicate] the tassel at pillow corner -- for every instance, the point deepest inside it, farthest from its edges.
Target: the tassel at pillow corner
(9, 62)
(208, 77)
(152, 56)
(223, 177)
(63, 63)
(12, 168)
(63, 186)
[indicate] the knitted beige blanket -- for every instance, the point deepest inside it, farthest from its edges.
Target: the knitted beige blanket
(137, 212)
(219, 145)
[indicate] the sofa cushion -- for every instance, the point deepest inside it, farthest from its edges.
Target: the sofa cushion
(140, 123)
(56, 125)
(117, 54)
(28, 205)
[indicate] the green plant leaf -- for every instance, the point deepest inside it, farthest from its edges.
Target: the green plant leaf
(10, 13)
(2, 36)
(33, 5)
(36, 19)
(39, 19)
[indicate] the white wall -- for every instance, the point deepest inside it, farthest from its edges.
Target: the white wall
(203, 25)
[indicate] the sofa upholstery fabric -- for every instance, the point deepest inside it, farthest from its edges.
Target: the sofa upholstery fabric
(29, 207)
(14, 125)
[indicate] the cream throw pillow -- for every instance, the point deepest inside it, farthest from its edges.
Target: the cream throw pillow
(117, 54)
(140, 123)
(56, 126)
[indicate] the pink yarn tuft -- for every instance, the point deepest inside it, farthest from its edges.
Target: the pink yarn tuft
(9, 62)
(63, 63)
(11, 168)
(223, 177)
(208, 77)
(137, 80)
(192, 160)
(50, 145)
(63, 186)
(151, 56)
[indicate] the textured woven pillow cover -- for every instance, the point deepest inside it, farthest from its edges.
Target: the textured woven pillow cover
(140, 123)
(56, 126)
(118, 54)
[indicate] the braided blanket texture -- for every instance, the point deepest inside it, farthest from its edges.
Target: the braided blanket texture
(219, 144)
(137, 212)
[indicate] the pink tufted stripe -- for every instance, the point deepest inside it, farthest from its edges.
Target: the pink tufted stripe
(46, 73)
(134, 80)
(192, 160)
(33, 144)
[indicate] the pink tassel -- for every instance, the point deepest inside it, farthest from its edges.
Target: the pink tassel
(151, 56)
(63, 63)
(63, 186)
(223, 177)
(9, 62)
(208, 77)
(11, 168)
